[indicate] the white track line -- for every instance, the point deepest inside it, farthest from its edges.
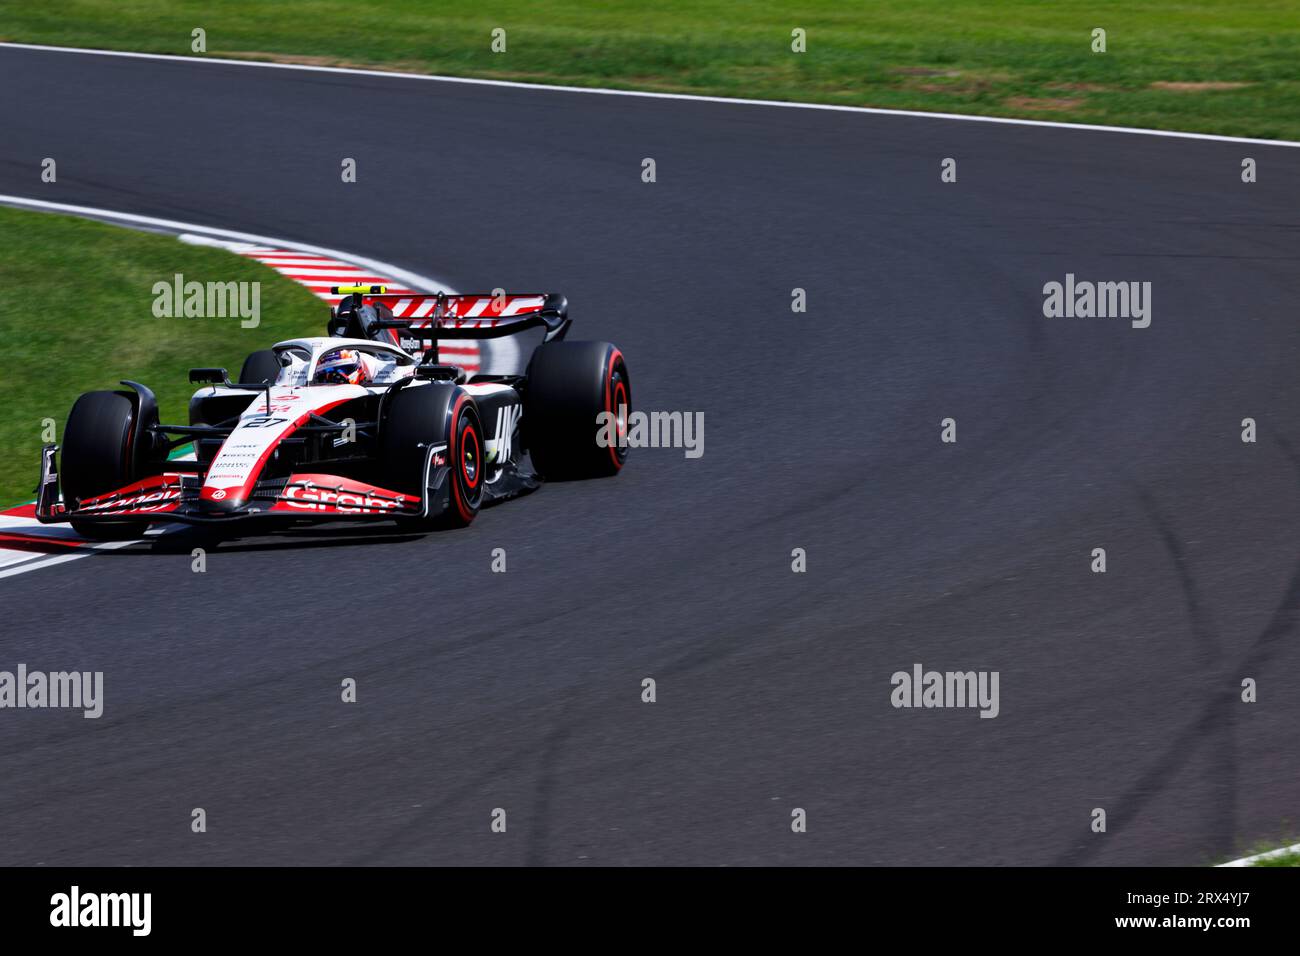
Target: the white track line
(1251, 860)
(48, 562)
(646, 94)
(14, 561)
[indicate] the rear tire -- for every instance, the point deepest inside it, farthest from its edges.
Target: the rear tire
(423, 415)
(97, 457)
(569, 385)
(260, 368)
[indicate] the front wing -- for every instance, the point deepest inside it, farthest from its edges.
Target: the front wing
(175, 496)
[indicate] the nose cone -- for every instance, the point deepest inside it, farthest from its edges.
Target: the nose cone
(220, 500)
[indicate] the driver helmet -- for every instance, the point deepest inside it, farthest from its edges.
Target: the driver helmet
(341, 367)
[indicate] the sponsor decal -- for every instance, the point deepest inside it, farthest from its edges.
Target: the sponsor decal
(143, 502)
(309, 497)
(507, 419)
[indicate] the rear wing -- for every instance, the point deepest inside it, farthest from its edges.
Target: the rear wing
(465, 316)
(434, 327)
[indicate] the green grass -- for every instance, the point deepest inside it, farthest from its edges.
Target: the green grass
(1268, 846)
(1029, 58)
(76, 315)
(1286, 859)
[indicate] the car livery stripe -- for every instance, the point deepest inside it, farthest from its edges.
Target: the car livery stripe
(214, 491)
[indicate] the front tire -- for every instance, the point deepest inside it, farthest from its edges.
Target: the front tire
(260, 368)
(97, 457)
(422, 415)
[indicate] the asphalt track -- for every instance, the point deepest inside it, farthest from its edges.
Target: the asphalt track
(522, 690)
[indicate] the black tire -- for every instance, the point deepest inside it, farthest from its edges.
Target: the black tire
(260, 368)
(96, 457)
(421, 415)
(569, 385)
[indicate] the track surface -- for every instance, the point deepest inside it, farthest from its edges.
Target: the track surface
(522, 690)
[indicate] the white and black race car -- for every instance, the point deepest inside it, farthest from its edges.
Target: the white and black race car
(366, 422)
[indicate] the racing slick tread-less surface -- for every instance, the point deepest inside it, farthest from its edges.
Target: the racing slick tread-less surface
(522, 690)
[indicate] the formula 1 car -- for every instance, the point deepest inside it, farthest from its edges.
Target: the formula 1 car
(366, 422)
